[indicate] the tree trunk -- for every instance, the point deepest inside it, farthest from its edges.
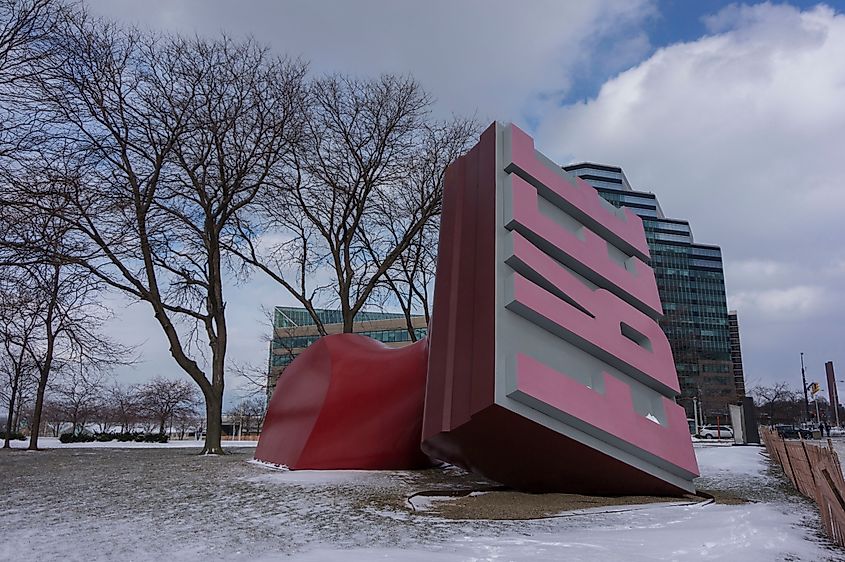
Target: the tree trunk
(214, 423)
(161, 426)
(36, 413)
(16, 425)
(11, 414)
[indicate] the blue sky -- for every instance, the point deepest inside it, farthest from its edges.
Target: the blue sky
(668, 22)
(731, 113)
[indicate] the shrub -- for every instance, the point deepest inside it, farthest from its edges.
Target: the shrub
(81, 437)
(156, 438)
(14, 436)
(85, 437)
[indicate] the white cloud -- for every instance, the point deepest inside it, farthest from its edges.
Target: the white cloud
(492, 56)
(503, 60)
(760, 272)
(796, 303)
(741, 132)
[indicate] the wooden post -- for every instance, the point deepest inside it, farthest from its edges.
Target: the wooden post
(809, 464)
(789, 462)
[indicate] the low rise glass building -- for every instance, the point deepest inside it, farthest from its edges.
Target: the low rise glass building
(736, 353)
(294, 329)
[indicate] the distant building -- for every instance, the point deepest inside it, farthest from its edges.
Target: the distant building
(736, 354)
(691, 283)
(294, 330)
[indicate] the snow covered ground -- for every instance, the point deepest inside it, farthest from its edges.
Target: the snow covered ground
(105, 503)
(54, 443)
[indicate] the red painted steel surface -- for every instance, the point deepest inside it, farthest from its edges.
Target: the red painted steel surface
(596, 324)
(611, 412)
(547, 369)
(633, 281)
(620, 226)
(462, 335)
(348, 402)
(575, 272)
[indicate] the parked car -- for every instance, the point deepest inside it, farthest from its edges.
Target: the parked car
(716, 432)
(786, 431)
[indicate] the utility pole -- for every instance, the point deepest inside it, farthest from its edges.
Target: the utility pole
(832, 390)
(695, 412)
(804, 386)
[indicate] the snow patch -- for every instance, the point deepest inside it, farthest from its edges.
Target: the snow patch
(269, 465)
(281, 474)
(54, 443)
(751, 532)
(421, 502)
(730, 460)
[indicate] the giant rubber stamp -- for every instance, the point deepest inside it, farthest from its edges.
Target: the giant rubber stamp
(547, 368)
(348, 402)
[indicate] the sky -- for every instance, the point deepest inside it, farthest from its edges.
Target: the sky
(732, 113)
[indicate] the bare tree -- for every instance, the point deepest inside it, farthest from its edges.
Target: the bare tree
(164, 143)
(185, 421)
(250, 413)
(76, 396)
(253, 379)
(26, 29)
(779, 402)
(19, 314)
(53, 417)
(23, 400)
(64, 310)
(365, 180)
(104, 415)
(410, 279)
(410, 282)
(125, 404)
(162, 399)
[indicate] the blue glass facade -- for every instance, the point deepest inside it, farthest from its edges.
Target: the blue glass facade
(691, 282)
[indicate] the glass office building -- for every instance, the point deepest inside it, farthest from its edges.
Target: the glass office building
(294, 330)
(691, 283)
(736, 353)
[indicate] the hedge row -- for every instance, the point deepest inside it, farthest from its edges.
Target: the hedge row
(86, 437)
(13, 435)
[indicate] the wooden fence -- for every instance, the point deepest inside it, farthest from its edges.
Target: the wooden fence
(240, 438)
(815, 472)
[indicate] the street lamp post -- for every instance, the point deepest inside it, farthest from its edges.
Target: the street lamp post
(804, 386)
(695, 412)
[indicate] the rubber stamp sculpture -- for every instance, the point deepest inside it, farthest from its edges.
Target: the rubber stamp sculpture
(547, 369)
(348, 401)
